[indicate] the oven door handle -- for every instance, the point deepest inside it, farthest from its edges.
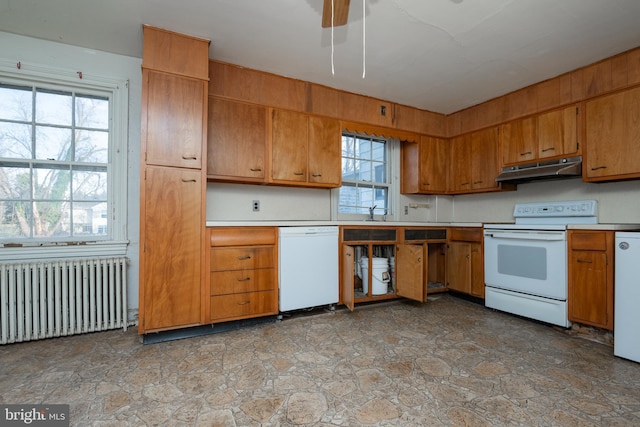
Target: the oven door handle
(527, 236)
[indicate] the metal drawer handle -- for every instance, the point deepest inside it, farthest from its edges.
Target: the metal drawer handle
(189, 180)
(548, 149)
(191, 157)
(585, 261)
(525, 153)
(255, 169)
(243, 257)
(598, 167)
(316, 174)
(245, 279)
(243, 302)
(298, 173)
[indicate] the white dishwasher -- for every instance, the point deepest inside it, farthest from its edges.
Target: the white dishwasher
(307, 267)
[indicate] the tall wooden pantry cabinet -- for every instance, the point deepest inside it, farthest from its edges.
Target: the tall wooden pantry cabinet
(175, 73)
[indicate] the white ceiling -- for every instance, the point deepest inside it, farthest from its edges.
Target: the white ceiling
(438, 55)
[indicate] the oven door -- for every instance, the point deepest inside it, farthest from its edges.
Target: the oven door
(528, 261)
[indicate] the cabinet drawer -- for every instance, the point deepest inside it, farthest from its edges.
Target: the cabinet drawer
(466, 234)
(242, 258)
(233, 282)
(595, 241)
(248, 304)
(234, 236)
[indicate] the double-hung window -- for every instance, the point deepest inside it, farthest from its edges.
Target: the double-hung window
(62, 161)
(366, 175)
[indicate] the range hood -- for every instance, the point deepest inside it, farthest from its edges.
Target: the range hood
(569, 167)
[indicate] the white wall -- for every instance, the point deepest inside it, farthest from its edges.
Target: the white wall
(233, 202)
(618, 202)
(90, 62)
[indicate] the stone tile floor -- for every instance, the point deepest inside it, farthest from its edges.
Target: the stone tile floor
(446, 362)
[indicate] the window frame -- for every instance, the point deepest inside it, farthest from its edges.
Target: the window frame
(393, 166)
(117, 90)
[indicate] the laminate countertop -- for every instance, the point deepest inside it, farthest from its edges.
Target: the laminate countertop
(339, 223)
(289, 223)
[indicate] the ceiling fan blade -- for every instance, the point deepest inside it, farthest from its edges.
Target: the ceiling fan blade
(340, 13)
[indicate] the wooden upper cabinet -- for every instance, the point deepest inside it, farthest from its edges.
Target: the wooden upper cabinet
(173, 136)
(474, 162)
(175, 53)
(428, 162)
(325, 151)
(306, 150)
(237, 141)
(434, 163)
(519, 141)
(558, 132)
(460, 164)
(290, 135)
(612, 137)
(485, 165)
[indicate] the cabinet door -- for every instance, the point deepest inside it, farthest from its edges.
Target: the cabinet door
(558, 132)
(477, 270)
(237, 141)
(459, 267)
(410, 272)
(434, 164)
(325, 151)
(612, 136)
(173, 229)
(485, 165)
(460, 164)
(346, 280)
(588, 296)
(519, 141)
(173, 107)
(289, 145)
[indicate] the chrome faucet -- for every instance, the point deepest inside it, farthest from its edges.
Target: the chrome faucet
(371, 209)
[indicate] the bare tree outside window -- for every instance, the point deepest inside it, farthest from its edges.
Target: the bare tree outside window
(54, 156)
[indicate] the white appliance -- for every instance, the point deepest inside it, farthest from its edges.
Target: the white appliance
(627, 295)
(308, 267)
(526, 262)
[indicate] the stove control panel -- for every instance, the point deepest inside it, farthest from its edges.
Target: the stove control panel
(574, 208)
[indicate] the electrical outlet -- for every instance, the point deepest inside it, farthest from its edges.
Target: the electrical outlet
(256, 205)
(406, 210)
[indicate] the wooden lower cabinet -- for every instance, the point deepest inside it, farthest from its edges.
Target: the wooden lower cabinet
(591, 268)
(243, 278)
(171, 279)
(411, 271)
(415, 256)
(465, 265)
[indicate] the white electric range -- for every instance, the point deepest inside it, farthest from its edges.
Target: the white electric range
(526, 262)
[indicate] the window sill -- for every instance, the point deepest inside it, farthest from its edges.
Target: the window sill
(35, 251)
